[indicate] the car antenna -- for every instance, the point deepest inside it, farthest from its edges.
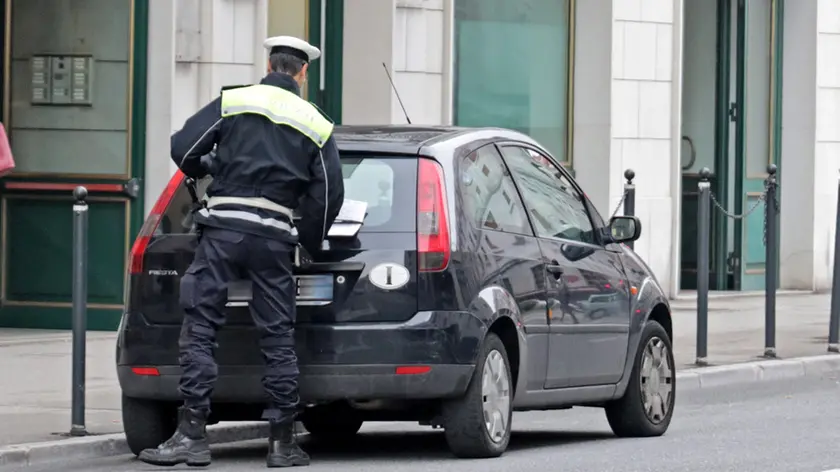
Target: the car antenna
(396, 93)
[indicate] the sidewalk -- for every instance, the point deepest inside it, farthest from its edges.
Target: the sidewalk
(35, 365)
(736, 328)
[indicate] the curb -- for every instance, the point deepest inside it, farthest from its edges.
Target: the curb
(758, 371)
(89, 447)
(44, 453)
(750, 295)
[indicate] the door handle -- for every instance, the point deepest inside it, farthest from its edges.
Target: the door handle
(555, 269)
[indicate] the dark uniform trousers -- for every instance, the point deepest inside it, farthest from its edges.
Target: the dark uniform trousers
(222, 256)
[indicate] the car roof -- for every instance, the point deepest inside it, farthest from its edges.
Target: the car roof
(411, 139)
(398, 139)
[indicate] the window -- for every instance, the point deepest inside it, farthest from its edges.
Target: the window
(556, 208)
(387, 183)
(512, 67)
(372, 181)
(489, 196)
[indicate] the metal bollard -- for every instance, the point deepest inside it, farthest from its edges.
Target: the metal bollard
(834, 322)
(770, 274)
(80, 256)
(704, 222)
(629, 197)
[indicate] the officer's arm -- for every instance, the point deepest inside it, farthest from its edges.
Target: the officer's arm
(324, 197)
(196, 139)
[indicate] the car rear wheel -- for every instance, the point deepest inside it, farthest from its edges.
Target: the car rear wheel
(147, 423)
(479, 423)
(648, 403)
(331, 422)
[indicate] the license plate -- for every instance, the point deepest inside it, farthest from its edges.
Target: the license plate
(310, 290)
(314, 289)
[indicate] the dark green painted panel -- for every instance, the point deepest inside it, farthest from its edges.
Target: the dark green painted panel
(34, 317)
(329, 99)
(40, 243)
(138, 110)
(722, 124)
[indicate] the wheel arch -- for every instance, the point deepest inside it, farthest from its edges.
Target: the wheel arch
(662, 315)
(659, 311)
(505, 328)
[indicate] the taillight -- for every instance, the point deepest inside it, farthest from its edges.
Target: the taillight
(146, 371)
(135, 263)
(433, 249)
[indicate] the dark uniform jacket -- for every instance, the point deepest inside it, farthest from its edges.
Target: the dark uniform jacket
(256, 157)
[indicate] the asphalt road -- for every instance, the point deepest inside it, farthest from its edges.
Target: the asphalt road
(790, 426)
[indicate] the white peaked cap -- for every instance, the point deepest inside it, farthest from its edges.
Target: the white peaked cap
(291, 45)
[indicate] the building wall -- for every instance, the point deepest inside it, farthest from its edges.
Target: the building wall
(418, 39)
(626, 116)
(210, 43)
(810, 143)
(409, 37)
(627, 96)
(827, 155)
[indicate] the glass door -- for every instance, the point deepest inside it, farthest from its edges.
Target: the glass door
(757, 100)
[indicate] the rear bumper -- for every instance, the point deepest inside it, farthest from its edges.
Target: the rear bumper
(352, 361)
(316, 383)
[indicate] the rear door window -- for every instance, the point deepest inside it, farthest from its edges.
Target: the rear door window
(555, 206)
(490, 200)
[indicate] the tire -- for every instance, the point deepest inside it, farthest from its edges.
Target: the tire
(147, 423)
(628, 416)
(331, 423)
(464, 419)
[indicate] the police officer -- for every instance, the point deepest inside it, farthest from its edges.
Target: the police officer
(274, 154)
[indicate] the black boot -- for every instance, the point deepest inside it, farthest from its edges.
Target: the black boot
(188, 445)
(283, 450)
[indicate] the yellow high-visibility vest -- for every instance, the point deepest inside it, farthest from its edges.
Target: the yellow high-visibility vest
(281, 107)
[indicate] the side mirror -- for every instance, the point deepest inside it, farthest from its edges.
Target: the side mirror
(624, 229)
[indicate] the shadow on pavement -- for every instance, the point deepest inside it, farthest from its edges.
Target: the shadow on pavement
(405, 446)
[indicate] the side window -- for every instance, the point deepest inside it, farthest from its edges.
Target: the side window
(489, 196)
(556, 208)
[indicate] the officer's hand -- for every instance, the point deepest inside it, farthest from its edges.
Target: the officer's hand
(208, 162)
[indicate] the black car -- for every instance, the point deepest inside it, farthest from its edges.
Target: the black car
(482, 282)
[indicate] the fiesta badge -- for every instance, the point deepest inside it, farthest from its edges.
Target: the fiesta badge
(389, 276)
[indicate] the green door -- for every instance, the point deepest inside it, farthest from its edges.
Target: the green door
(757, 114)
(74, 108)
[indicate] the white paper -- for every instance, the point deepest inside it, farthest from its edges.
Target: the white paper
(352, 211)
(344, 230)
(349, 221)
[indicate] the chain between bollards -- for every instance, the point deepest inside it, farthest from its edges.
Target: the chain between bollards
(834, 321)
(771, 213)
(80, 257)
(704, 188)
(629, 197)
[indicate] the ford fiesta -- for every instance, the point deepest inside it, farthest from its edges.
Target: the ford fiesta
(482, 282)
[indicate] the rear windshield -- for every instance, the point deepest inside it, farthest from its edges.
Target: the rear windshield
(386, 183)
